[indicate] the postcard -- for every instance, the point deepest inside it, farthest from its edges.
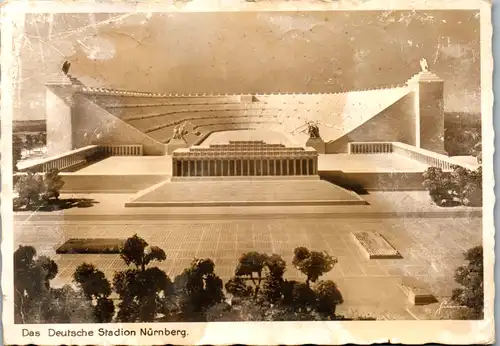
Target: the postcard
(247, 172)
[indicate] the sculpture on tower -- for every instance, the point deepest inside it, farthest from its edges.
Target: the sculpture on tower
(312, 130)
(65, 67)
(423, 65)
(310, 127)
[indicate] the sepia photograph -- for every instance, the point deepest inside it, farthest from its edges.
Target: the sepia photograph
(171, 169)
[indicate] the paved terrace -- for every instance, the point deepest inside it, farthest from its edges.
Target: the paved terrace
(381, 204)
(343, 162)
(431, 248)
(430, 239)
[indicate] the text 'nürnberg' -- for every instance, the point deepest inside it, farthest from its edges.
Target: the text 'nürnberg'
(107, 332)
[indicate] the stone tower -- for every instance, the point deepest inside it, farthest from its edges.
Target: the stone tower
(429, 111)
(59, 109)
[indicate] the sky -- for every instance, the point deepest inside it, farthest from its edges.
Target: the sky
(252, 52)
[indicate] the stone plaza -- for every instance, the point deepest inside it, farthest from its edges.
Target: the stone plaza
(431, 249)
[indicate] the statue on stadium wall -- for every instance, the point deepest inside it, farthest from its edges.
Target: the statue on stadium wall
(179, 131)
(312, 130)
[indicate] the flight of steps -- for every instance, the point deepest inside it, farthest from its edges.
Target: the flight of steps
(251, 192)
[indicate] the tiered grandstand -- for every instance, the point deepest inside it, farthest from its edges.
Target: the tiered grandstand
(338, 114)
(411, 113)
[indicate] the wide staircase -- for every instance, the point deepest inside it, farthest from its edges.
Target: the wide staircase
(249, 192)
(244, 173)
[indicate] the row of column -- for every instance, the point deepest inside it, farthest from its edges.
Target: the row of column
(370, 148)
(244, 167)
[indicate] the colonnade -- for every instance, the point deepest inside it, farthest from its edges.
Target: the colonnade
(209, 167)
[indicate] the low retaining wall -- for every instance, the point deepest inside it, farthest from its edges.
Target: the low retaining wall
(76, 159)
(123, 150)
(90, 183)
(64, 162)
(382, 181)
(356, 181)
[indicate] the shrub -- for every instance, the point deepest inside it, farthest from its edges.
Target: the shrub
(237, 287)
(35, 190)
(41, 139)
(439, 185)
(17, 147)
(299, 295)
(52, 185)
(477, 152)
(29, 188)
(462, 186)
(328, 297)
(29, 142)
(473, 189)
(471, 278)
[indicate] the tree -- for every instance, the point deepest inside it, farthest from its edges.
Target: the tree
(35, 301)
(52, 185)
(237, 287)
(439, 185)
(29, 187)
(272, 288)
(29, 142)
(473, 188)
(36, 189)
(96, 289)
(285, 300)
(30, 281)
(477, 152)
(328, 297)
(462, 185)
(143, 291)
(299, 295)
(136, 251)
(460, 176)
(17, 147)
(471, 278)
(142, 294)
(32, 274)
(312, 263)
(254, 262)
(250, 263)
(40, 139)
(276, 265)
(65, 305)
(197, 290)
